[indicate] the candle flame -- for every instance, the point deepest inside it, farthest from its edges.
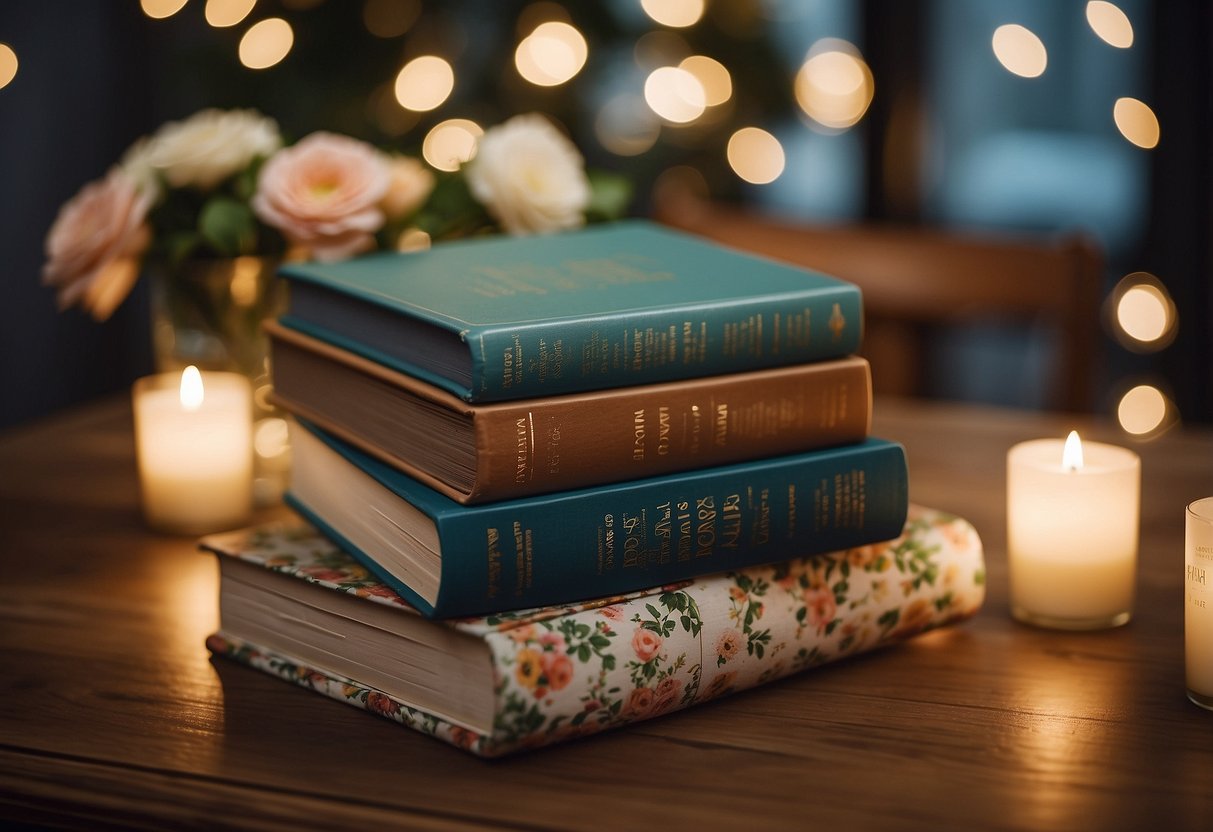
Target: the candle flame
(191, 388)
(1071, 454)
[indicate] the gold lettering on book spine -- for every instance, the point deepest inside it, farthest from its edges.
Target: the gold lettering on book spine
(494, 562)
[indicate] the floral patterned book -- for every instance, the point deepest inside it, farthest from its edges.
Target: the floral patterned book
(295, 606)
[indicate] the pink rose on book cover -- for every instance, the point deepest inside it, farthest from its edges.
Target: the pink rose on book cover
(323, 194)
(382, 704)
(646, 643)
(666, 694)
(93, 247)
(558, 669)
(821, 606)
(640, 703)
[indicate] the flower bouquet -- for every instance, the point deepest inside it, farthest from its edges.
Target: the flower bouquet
(222, 185)
(210, 206)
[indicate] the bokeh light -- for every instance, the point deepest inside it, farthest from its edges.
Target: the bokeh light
(1144, 410)
(1110, 23)
(424, 83)
(1020, 51)
(224, 13)
(1144, 318)
(160, 9)
(1136, 122)
(390, 18)
(674, 94)
(677, 14)
(552, 54)
(625, 127)
(712, 75)
(413, 239)
(271, 437)
(266, 43)
(834, 86)
(755, 155)
(451, 143)
(8, 65)
(660, 48)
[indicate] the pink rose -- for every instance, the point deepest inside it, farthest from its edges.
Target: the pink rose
(646, 643)
(409, 185)
(381, 703)
(639, 703)
(550, 639)
(666, 695)
(558, 669)
(668, 687)
(324, 194)
(821, 606)
(93, 247)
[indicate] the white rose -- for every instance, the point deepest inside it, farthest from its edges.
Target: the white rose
(136, 163)
(530, 177)
(205, 149)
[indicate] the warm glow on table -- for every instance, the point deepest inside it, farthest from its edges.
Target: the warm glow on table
(193, 436)
(1072, 526)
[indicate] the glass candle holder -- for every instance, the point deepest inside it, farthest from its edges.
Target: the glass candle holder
(1198, 602)
(1072, 532)
(193, 439)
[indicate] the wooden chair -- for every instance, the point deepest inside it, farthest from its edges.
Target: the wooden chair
(916, 280)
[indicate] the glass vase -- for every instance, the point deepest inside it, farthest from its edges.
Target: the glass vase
(208, 313)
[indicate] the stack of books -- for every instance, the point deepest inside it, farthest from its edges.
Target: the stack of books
(507, 443)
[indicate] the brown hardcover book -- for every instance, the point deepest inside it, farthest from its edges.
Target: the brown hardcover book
(479, 453)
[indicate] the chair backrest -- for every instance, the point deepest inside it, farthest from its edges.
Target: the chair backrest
(916, 280)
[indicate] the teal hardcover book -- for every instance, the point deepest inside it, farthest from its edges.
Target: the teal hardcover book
(501, 318)
(454, 560)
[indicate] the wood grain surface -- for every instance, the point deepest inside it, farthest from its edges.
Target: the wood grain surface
(112, 714)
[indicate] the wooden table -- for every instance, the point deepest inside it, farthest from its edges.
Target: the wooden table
(112, 714)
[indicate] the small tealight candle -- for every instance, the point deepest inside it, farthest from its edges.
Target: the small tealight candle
(193, 439)
(1072, 524)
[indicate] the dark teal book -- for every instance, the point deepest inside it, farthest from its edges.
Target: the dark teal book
(501, 318)
(453, 560)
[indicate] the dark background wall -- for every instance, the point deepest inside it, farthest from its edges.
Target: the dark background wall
(95, 75)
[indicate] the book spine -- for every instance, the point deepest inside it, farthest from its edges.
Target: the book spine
(613, 539)
(566, 442)
(664, 344)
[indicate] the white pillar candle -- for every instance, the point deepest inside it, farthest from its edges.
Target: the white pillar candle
(1072, 526)
(193, 439)
(1198, 602)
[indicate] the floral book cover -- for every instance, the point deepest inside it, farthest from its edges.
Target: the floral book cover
(565, 672)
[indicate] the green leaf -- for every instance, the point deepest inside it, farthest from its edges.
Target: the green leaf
(610, 194)
(228, 226)
(179, 245)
